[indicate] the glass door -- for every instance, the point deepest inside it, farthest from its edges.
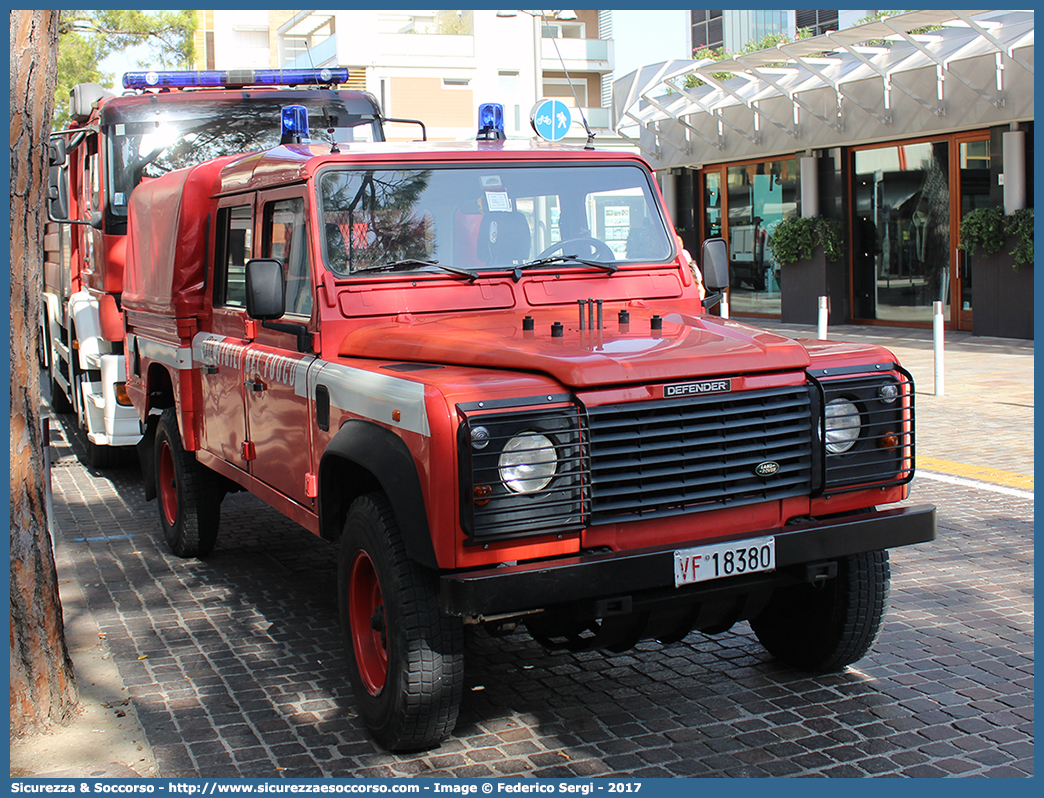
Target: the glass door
(973, 181)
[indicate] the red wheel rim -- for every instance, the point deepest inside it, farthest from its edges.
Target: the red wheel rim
(369, 623)
(168, 489)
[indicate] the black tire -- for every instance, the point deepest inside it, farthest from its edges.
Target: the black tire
(95, 456)
(101, 456)
(828, 626)
(189, 495)
(405, 658)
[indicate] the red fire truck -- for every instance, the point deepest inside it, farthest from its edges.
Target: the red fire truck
(167, 120)
(484, 370)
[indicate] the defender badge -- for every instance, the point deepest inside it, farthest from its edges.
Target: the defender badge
(766, 469)
(695, 388)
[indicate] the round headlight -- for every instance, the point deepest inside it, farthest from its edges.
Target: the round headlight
(528, 462)
(842, 425)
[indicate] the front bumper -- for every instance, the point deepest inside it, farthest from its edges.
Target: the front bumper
(597, 577)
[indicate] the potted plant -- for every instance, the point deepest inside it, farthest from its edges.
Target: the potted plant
(982, 229)
(795, 239)
(997, 247)
(1020, 227)
(802, 246)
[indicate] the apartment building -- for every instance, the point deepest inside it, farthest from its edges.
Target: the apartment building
(436, 66)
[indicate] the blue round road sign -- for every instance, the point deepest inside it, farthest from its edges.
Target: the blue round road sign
(551, 119)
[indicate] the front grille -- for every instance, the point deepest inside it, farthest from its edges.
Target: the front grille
(662, 458)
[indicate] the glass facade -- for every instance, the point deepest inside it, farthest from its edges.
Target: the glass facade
(759, 196)
(901, 231)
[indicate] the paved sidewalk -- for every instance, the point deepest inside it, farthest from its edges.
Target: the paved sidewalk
(234, 666)
(984, 420)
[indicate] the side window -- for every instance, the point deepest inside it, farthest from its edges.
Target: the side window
(233, 251)
(285, 238)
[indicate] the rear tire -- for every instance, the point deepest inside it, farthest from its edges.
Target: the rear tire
(189, 495)
(405, 658)
(828, 626)
(101, 456)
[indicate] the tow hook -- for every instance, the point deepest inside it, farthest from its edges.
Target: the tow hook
(819, 572)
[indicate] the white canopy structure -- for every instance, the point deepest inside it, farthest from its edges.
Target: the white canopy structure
(917, 73)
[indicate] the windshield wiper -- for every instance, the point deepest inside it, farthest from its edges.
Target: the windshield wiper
(552, 260)
(408, 264)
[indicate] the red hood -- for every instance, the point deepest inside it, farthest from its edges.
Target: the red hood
(688, 346)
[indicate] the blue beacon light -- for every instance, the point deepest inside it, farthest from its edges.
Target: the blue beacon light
(233, 78)
(294, 124)
(491, 121)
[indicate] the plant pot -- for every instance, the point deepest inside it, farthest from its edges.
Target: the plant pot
(802, 283)
(1003, 295)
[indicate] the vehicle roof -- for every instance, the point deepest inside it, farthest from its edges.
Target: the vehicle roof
(294, 162)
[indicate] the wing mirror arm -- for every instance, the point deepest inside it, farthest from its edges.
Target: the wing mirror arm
(712, 300)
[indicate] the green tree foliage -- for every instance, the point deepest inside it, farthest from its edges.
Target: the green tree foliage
(85, 38)
(766, 42)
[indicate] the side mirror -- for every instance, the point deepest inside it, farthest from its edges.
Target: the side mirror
(265, 289)
(56, 152)
(715, 264)
(57, 194)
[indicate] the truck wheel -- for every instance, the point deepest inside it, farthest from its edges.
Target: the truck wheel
(189, 502)
(405, 658)
(96, 456)
(825, 627)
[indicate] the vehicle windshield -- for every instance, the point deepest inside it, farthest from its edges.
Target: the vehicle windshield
(495, 216)
(147, 140)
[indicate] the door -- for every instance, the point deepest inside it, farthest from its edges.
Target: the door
(221, 350)
(274, 371)
(972, 179)
(714, 213)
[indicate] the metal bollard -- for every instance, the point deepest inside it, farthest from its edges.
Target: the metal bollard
(724, 306)
(824, 312)
(937, 334)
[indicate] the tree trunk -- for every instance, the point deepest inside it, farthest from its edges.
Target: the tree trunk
(43, 690)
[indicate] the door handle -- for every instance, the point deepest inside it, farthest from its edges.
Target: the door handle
(255, 385)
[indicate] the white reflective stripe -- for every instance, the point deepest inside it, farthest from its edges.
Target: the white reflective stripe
(366, 394)
(282, 369)
(374, 396)
(215, 350)
(273, 367)
(177, 357)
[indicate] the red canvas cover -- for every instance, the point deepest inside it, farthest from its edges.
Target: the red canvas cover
(167, 241)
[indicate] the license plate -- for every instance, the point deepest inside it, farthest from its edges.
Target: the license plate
(717, 560)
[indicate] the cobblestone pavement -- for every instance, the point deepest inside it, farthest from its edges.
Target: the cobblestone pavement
(234, 665)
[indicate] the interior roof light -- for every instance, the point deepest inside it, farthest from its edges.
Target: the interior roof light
(234, 78)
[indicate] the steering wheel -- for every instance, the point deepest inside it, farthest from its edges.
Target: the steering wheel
(585, 248)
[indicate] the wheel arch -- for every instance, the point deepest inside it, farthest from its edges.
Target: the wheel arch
(365, 457)
(159, 395)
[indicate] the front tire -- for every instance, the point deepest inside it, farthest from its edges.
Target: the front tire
(828, 626)
(405, 658)
(189, 495)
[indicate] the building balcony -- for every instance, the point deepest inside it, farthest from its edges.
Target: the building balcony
(580, 55)
(322, 54)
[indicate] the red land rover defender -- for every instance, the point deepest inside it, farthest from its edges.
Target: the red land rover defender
(484, 370)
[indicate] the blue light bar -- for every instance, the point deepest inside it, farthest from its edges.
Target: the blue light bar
(491, 121)
(234, 78)
(294, 124)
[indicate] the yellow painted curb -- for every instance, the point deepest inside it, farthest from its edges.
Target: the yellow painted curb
(994, 475)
